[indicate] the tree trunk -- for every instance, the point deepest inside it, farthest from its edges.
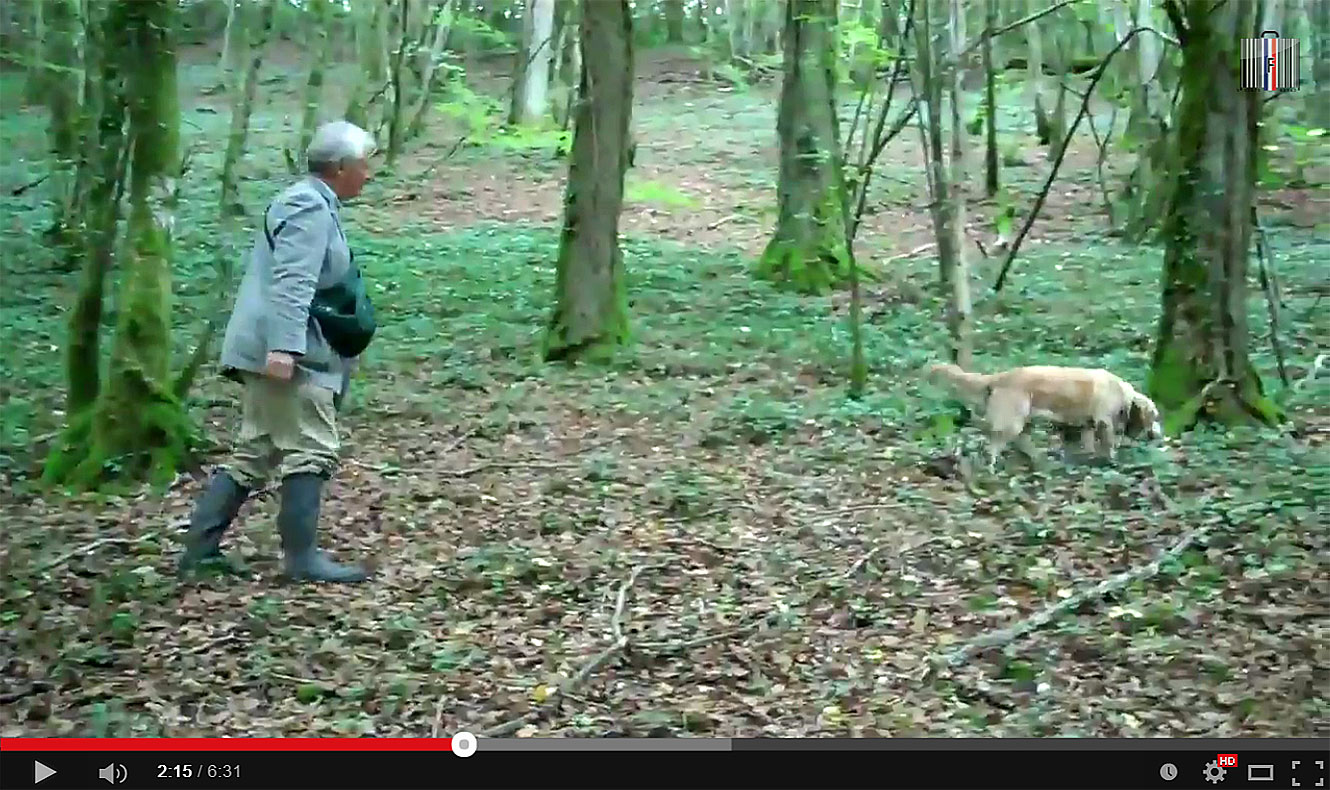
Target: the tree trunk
(229, 205)
(1145, 189)
(396, 115)
(531, 93)
(233, 38)
(960, 319)
(1035, 81)
(572, 67)
(930, 113)
(1272, 18)
(1057, 121)
(702, 27)
(37, 69)
(734, 26)
(370, 42)
(990, 102)
(1201, 367)
(318, 42)
(100, 179)
(138, 428)
(590, 315)
(567, 63)
(1320, 44)
(807, 251)
(443, 24)
(674, 21)
(241, 108)
(61, 94)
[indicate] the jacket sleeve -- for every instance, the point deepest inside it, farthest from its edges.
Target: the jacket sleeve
(298, 254)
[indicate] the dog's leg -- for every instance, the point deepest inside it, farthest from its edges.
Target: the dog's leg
(996, 445)
(1027, 448)
(1088, 435)
(1072, 434)
(1104, 429)
(1006, 414)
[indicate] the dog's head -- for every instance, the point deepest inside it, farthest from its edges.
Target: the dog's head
(1140, 417)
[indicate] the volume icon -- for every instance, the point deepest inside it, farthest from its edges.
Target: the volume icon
(115, 773)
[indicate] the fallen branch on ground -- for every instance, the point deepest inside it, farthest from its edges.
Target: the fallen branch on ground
(14, 696)
(480, 467)
(618, 645)
(910, 254)
(722, 221)
(662, 649)
(1005, 635)
(93, 546)
(900, 553)
(859, 563)
(455, 443)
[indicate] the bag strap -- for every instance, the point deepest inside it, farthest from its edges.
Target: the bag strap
(272, 235)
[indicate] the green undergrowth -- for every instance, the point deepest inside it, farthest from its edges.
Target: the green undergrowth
(464, 312)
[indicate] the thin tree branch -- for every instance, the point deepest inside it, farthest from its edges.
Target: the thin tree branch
(1062, 153)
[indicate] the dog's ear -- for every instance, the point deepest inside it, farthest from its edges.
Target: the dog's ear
(1141, 416)
(1134, 418)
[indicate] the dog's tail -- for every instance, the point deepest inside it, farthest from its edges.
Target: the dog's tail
(973, 386)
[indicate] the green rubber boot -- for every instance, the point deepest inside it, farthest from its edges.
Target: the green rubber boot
(214, 511)
(298, 521)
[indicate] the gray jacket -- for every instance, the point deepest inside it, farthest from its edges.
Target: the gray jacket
(271, 310)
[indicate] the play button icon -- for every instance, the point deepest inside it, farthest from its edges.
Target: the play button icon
(41, 772)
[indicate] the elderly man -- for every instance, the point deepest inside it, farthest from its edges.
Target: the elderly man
(299, 320)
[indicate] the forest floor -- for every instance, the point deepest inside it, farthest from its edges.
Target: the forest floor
(779, 559)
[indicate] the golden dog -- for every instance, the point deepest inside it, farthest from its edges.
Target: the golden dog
(1089, 401)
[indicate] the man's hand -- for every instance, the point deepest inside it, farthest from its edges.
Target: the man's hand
(280, 365)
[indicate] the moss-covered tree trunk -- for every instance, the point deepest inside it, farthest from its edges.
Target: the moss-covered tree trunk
(590, 315)
(318, 41)
(99, 183)
(807, 250)
(61, 93)
(1201, 367)
(242, 106)
(138, 428)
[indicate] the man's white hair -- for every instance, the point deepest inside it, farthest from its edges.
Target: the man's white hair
(336, 142)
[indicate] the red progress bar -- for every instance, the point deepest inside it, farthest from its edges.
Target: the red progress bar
(226, 744)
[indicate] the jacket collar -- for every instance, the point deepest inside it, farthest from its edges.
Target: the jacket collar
(326, 191)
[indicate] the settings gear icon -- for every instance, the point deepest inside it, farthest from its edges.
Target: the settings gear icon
(1214, 773)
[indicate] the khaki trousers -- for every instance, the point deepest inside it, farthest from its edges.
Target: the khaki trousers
(285, 426)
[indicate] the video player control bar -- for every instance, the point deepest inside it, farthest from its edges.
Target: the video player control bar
(465, 761)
